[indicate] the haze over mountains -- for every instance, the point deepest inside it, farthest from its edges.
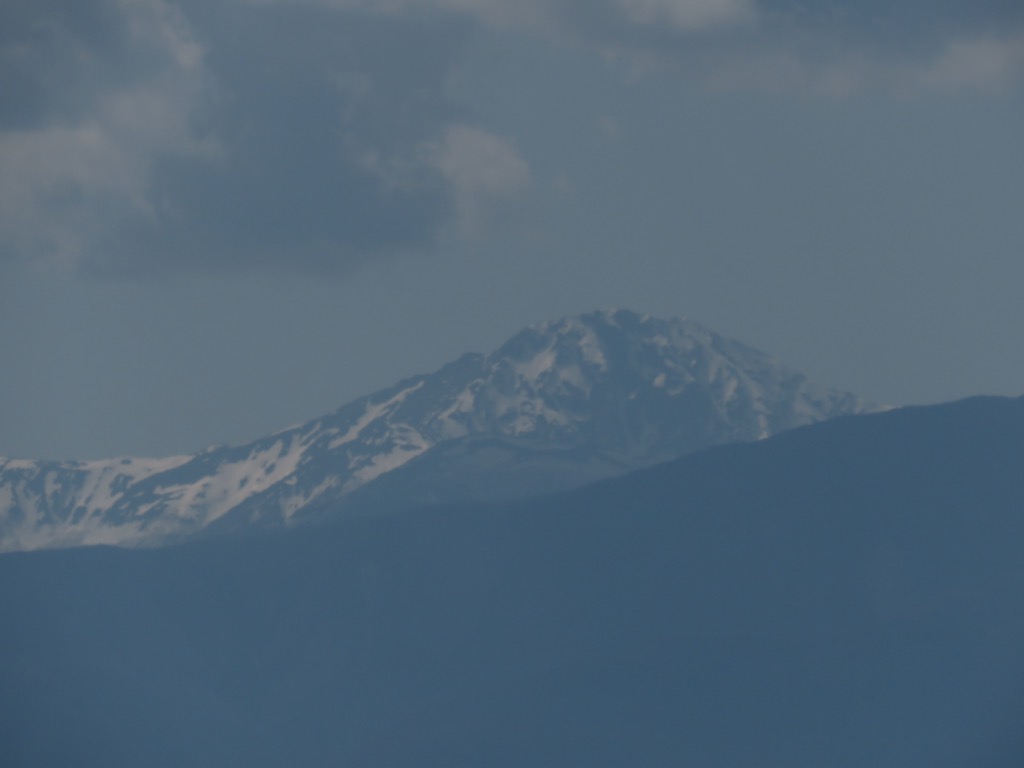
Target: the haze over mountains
(848, 594)
(560, 404)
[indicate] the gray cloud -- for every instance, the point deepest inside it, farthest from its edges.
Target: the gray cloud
(482, 170)
(827, 47)
(92, 92)
(913, 46)
(236, 135)
(304, 98)
(57, 58)
(144, 135)
(831, 46)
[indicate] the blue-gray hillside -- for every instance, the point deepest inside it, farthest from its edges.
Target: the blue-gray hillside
(849, 594)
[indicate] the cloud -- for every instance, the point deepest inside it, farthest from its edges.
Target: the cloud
(832, 47)
(145, 135)
(149, 137)
(483, 170)
(975, 62)
(85, 109)
(686, 14)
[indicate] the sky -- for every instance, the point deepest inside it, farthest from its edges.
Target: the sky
(222, 217)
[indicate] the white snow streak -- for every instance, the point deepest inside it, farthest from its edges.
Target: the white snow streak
(371, 414)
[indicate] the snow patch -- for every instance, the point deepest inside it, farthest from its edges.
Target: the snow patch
(591, 350)
(532, 369)
(371, 414)
(412, 445)
(234, 482)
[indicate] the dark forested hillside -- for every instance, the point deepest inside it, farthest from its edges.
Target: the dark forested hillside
(847, 594)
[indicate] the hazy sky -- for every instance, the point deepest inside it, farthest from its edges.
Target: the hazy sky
(220, 218)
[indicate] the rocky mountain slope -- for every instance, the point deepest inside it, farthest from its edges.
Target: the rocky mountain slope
(559, 404)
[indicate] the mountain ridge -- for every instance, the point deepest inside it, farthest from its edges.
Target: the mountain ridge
(593, 395)
(844, 594)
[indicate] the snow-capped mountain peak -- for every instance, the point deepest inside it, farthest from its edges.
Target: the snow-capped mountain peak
(583, 396)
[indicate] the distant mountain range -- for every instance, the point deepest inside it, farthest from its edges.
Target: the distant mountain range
(558, 405)
(848, 594)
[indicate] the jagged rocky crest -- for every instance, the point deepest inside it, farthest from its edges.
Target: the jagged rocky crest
(557, 405)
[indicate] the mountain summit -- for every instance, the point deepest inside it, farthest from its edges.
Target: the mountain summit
(557, 405)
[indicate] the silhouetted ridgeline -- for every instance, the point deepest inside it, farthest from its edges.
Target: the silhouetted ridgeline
(846, 594)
